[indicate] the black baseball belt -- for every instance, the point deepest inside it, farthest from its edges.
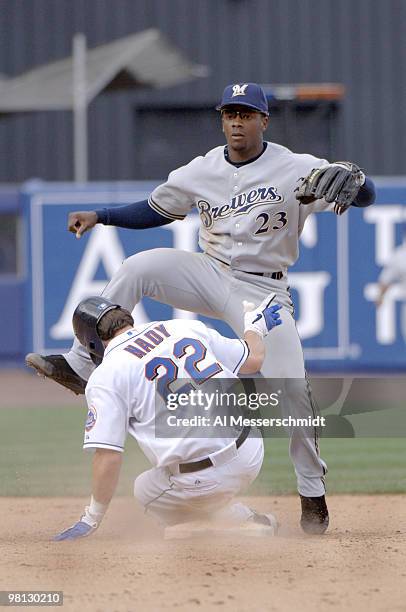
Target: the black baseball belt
(273, 275)
(195, 466)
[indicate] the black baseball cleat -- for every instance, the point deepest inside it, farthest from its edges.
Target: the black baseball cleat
(58, 369)
(315, 517)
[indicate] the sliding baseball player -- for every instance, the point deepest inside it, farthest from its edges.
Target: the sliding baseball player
(194, 476)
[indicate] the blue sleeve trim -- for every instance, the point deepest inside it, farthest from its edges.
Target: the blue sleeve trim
(244, 356)
(103, 445)
(366, 195)
(139, 215)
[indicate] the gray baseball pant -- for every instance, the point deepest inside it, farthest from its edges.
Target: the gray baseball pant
(199, 283)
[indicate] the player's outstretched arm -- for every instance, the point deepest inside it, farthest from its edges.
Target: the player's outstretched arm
(258, 322)
(106, 470)
(139, 215)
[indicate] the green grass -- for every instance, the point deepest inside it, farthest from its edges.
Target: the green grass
(357, 465)
(41, 455)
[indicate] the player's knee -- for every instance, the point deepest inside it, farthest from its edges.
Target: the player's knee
(147, 264)
(136, 264)
(140, 489)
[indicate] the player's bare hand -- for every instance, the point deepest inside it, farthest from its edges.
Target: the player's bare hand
(82, 221)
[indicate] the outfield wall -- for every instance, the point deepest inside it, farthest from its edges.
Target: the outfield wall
(333, 284)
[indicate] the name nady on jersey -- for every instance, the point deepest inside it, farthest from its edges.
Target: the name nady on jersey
(241, 204)
(147, 341)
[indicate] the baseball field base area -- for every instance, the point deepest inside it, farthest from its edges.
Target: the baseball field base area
(127, 565)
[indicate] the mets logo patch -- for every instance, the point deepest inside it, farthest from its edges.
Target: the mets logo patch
(91, 418)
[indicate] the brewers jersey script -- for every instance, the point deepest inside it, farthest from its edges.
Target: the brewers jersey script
(121, 392)
(250, 218)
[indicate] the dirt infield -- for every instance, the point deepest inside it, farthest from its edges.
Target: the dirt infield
(127, 566)
(25, 388)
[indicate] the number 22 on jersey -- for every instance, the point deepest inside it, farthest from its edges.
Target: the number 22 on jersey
(154, 367)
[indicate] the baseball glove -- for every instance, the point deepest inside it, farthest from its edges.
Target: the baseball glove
(338, 182)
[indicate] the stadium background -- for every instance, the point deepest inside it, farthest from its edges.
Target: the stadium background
(134, 136)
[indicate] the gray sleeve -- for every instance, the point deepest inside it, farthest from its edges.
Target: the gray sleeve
(174, 199)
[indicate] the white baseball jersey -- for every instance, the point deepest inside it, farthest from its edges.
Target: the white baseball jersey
(121, 392)
(250, 218)
(395, 269)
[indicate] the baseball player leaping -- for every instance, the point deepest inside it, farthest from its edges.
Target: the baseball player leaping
(252, 208)
(195, 476)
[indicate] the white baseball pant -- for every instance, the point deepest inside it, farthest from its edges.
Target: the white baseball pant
(174, 498)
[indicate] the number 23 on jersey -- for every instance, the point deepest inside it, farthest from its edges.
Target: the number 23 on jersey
(269, 222)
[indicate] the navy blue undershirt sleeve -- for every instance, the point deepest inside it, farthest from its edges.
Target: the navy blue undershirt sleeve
(139, 215)
(366, 195)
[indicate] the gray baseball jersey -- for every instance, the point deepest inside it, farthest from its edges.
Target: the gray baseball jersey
(250, 218)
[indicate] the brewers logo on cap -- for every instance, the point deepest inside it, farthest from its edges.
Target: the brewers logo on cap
(239, 90)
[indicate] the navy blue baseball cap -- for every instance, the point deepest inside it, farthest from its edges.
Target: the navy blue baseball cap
(245, 94)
